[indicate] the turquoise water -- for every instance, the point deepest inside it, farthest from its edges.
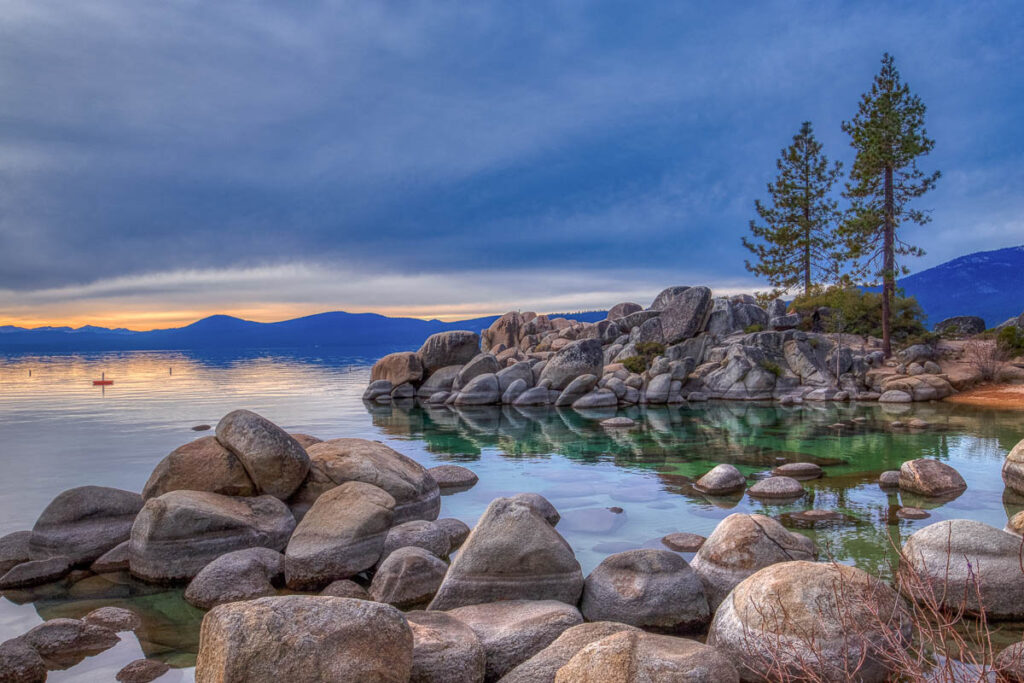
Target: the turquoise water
(58, 431)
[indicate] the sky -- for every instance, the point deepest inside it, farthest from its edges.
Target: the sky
(162, 161)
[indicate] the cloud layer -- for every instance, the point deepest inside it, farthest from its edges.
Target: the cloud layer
(460, 150)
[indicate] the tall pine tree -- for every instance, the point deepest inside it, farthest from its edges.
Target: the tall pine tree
(888, 134)
(796, 243)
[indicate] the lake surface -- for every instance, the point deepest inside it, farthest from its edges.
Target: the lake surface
(58, 431)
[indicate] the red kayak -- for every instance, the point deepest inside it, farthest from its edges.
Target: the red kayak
(103, 381)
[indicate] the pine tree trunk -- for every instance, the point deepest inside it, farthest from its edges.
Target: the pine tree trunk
(888, 265)
(807, 250)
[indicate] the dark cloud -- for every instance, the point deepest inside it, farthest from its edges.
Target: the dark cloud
(433, 138)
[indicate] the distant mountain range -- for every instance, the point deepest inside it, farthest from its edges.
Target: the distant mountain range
(988, 284)
(337, 329)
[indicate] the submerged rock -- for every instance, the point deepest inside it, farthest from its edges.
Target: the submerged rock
(513, 553)
(298, 638)
(799, 615)
(179, 533)
(652, 589)
(115, 618)
(275, 461)
(513, 631)
(341, 535)
(142, 671)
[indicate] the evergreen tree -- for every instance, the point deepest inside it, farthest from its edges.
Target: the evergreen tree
(888, 135)
(796, 244)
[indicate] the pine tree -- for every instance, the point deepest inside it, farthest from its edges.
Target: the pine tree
(888, 135)
(796, 244)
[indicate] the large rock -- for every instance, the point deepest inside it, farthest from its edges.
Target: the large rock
(928, 477)
(543, 666)
(200, 465)
(638, 656)
(35, 573)
(457, 530)
(408, 577)
(398, 368)
(960, 326)
(300, 638)
(721, 480)
(20, 663)
(968, 564)
(827, 620)
(441, 380)
(453, 477)
(575, 389)
(419, 533)
(739, 546)
(513, 631)
(667, 296)
(513, 372)
(513, 553)
(341, 535)
(241, 575)
(444, 650)
(583, 357)
(1013, 470)
(480, 364)
(62, 643)
(685, 315)
(776, 487)
(505, 330)
(621, 310)
(537, 396)
(653, 589)
(14, 550)
(482, 390)
(274, 460)
(337, 461)
(179, 533)
(448, 348)
(83, 523)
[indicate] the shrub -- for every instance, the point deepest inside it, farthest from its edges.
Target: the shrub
(772, 368)
(862, 312)
(1011, 340)
(753, 327)
(650, 350)
(986, 357)
(635, 364)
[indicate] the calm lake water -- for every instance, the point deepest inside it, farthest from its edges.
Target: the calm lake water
(58, 431)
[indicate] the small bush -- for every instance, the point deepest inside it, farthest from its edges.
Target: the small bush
(753, 327)
(986, 357)
(772, 368)
(1011, 340)
(861, 312)
(637, 364)
(650, 350)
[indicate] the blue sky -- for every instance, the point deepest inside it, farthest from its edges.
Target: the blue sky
(160, 161)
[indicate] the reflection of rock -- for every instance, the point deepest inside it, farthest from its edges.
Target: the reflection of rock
(591, 521)
(62, 643)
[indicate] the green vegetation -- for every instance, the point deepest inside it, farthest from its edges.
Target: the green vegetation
(771, 367)
(796, 245)
(888, 135)
(753, 327)
(1011, 340)
(646, 353)
(862, 311)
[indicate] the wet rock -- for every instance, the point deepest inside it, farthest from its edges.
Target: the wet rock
(115, 618)
(179, 533)
(513, 553)
(275, 462)
(578, 387)
(800, 612)
(513, 631)
(542, 505)
(683, 542)
(652, 589)
(142, 671)
(638, 656)
(592, 520)
(117, 559)
(298, 638)
(417, 533)
(801, 471)
(83, 523)
(618, 423)
(241, 575)
(444, 650)
(441, 380)
(889, 479)
(1013, 468)
(14, 550)
(537, 396)
(895, 396)
(544, 666)
(967, 564)
(932, 478)
(482, 390)
(398, 368)
(378, 389)
(65, 642)
(722, 479)
(201, 428)
(912, 513)
(200, 465)
(346, 588)
(739, 546)
(583, 357)
(35, 573)
(341, 535)
(776, 487)
(456, 347)
(20, 663)
(457, 530)
(334, 462)
(481, 364)
(408, 577)
(453, 477)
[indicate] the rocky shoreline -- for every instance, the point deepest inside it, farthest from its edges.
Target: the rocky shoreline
(687, 346)
(326, 560)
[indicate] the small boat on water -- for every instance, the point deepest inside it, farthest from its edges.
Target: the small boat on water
(102, 381)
